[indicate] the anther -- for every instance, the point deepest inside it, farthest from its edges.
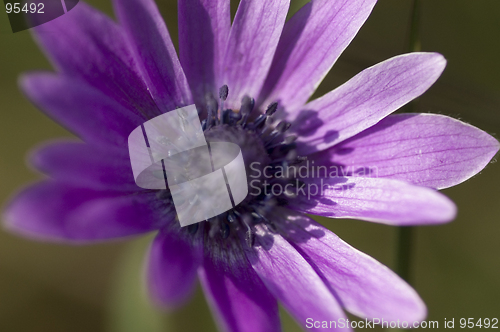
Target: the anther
(223, 92)
(283, 126)
(272, 108)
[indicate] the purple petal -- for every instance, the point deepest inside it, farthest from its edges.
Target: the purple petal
(173, 260)
(53, 211)
(88, 45)
(236, 295)
(85, 165)
(252, 43)
(203, 33)
(365, 100)
(363, 286)
(425, 149)
(292, 280)
(311, 43)
(150, 42)
(82, 109)
(385, 201)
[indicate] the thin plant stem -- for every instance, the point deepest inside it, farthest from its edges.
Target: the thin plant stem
(404, 251)
(414, 39)
(405, 235)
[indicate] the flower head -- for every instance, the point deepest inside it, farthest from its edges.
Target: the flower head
(112, 77)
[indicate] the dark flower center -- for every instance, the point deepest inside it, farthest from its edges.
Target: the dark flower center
(266, 149)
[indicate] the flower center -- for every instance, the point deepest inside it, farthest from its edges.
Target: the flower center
(266, 149)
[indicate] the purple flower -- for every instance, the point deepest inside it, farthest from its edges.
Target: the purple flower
(112, 77)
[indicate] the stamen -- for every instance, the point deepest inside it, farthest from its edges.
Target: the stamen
(282, 127)
(267, 124)
(223, 92)
(259, 122)
(247, 105)
(281, 150)
(272, 108)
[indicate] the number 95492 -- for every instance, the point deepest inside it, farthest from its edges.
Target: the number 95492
(27, 8)
(481, 323)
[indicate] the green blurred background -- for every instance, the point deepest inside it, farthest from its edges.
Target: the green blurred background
(47, 287)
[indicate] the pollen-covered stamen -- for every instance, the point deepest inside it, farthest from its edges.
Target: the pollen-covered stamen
(272, 108)
(262, 142)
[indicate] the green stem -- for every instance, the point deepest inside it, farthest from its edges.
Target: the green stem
(414, 39)
(406, 234)
(404, 252)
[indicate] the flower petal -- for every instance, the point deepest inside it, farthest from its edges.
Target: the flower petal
(53, 211)
(236, 295)
(385, 201)
(252, 43)
(365, 100)
(363, 286)
(425, 149)
(292, 280)
(173, 260)
(85, 165)
(311, 43)
(85, 111)
(203, 33)
(98, 56)
(150, 43)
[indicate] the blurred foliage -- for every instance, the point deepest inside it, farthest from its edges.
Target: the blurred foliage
(47, 287)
